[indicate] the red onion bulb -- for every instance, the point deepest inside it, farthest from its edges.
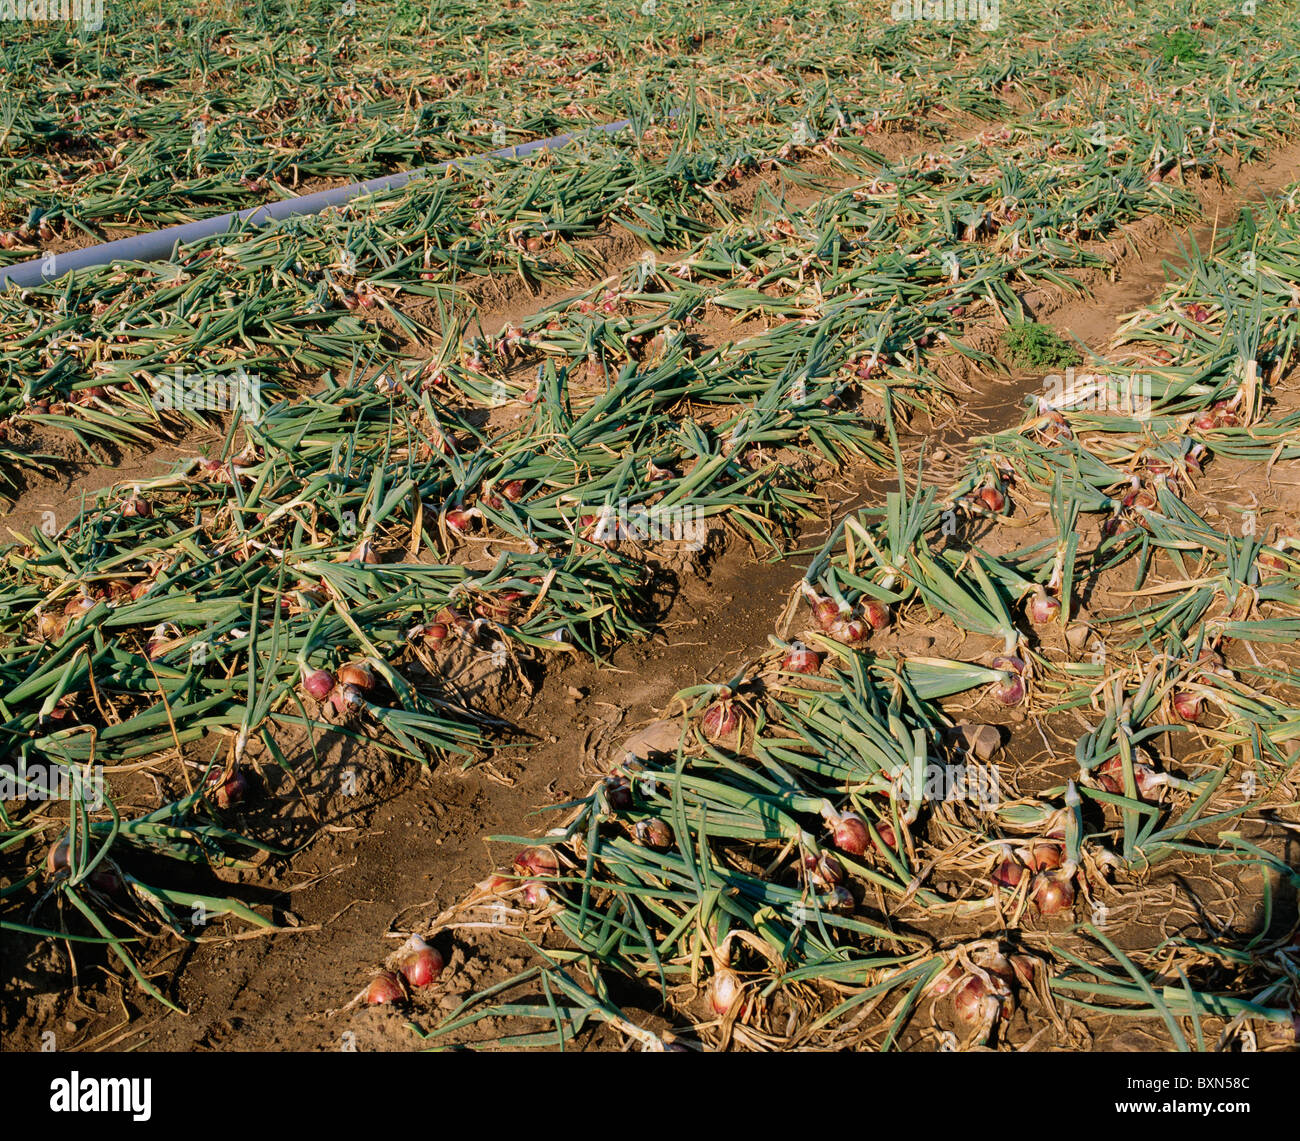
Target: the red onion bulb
(850, 834)
(1008, 871)
(1011, 691)
(970, 999)
(1046, 857)
(824, 870)
(1043, 608)
(1052, 893)
(137, 508)
(826, 612)
(538, 861)
(654, 833)
(851, 630)
(801, 660)
(619, 794)
(720, 720)
(346, 697)
(876, 613)
(228, 790)
(460, 520)
(725, 990)
(993, 499)
(421, 963)
(319, 683)
(1188, 705)
(888, 837)
(385, 987)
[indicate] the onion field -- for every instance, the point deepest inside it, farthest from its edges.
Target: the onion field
(805, 558)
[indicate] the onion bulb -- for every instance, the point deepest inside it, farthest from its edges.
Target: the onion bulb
(839, 899)
(725, 991)
(800, 659)
(346, 697)
(850, 834)
(876, 613)
(1046, 857)
(993, 499)
(538, 861)
(654, 833)
(720, 720)
(50, 627)
(1043, 608)
(619, 794)
(358, 675)
(137, 508)
(826, 612)
(318, 683)
(970, 1000)
(105, 877)
(384, 988)
(501, 608)
(1008, 871)
(1052, 893)
(461, 519)
(1146, 780)
(1011, 691)
(824, 870)
(420, 963)
(228, 790)
(851, 630)
(1023, 967)
(1188, 705)
(888, 837)
(57, 858)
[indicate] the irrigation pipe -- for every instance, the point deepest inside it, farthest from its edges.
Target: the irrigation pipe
(158, 245)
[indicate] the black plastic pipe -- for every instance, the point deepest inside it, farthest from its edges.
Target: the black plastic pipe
(159, 245)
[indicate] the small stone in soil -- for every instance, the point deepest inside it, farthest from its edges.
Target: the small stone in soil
(983, 741)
